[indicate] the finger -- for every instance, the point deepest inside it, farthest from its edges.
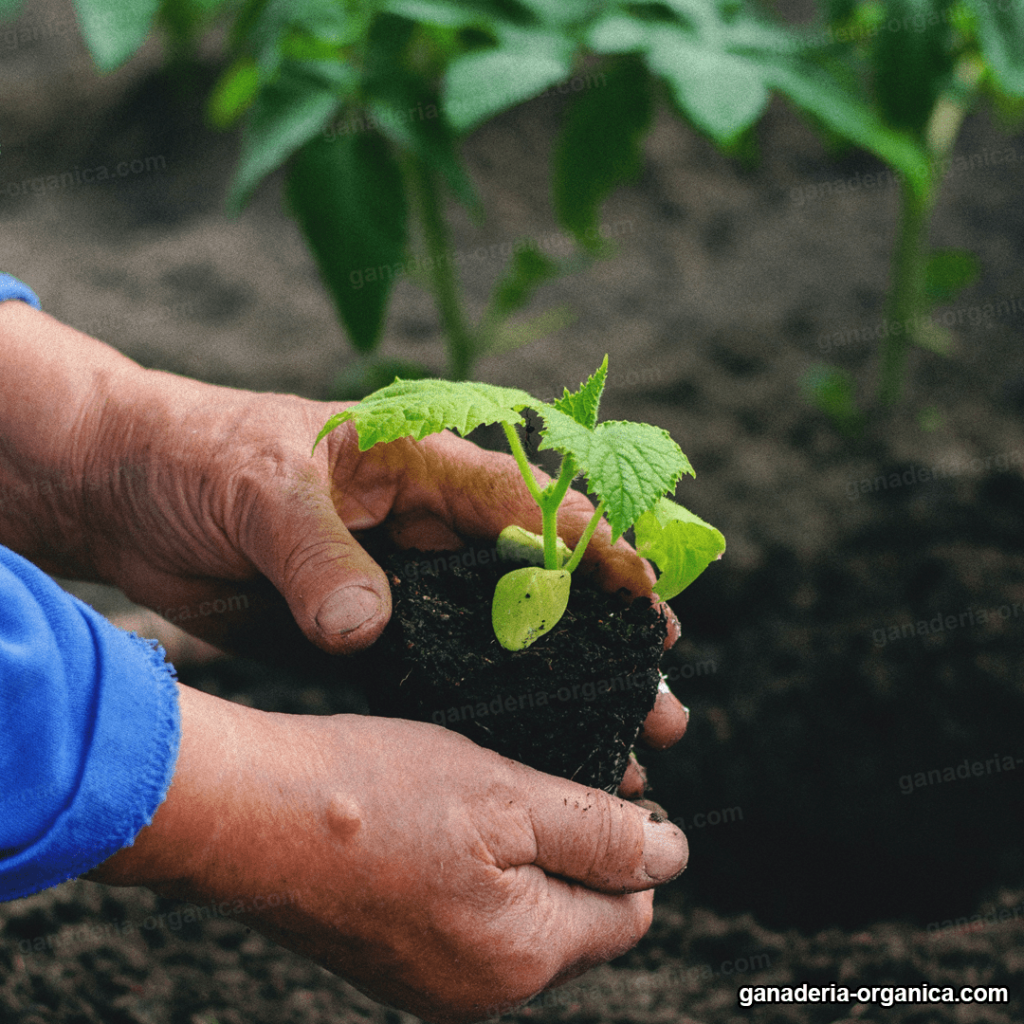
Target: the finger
(339, 596)
(599, 840)
(653, 806)
(180, 648)
(675, 631)
(595, 928)
(634, 780)
(666, 722)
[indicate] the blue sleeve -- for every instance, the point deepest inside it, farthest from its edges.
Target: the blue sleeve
(89, 732)
(12, 288)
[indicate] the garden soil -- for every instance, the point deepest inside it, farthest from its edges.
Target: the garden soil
(851, 779)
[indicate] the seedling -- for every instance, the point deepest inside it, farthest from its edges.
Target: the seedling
(629, 468)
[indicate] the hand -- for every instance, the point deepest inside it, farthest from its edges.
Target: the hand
(203, 504)
(225, 525)
(445, 880)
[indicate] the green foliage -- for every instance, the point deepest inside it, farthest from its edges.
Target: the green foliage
(629, 466)
(285, 115)
(601, 145)
(949, 272)
(834, 393)
(999, 31)
(351, 188)
(235, 92)
(583, 404)
(418, 408)
(366, 103)
(674, 537)
(113, 30)
(928, 62)
(912, 64)
(485, 82)
(527, 604)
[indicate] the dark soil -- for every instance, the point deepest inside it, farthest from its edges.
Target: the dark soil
(851, 780)
(570, 704)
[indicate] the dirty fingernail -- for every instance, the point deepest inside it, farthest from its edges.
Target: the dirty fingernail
(665, 849)
(346, 610)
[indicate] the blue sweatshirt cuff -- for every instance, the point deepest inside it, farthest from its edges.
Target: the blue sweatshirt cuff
(89, 732)
(12, 288)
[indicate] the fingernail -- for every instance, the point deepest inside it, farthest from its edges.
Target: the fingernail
(665, 849)
(347, 609)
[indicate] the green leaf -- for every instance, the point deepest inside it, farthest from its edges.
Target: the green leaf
(838, 11)
(911, 66)
(114, 29)
(949, 272)
(417, 408)
(527, 604)
(349, 198)
(516, 544)
(846, 114)
(404, 102)
(681, 544)
(582, 405)
(599, 147)
(508, 337)
(234, 93)
(834, 392)
(443, 12)
(273, 28)
(1001, 34)
(481, 84)
(285, 115)
(527, 269)
(617, 32)
(722, 93)
(629, 466)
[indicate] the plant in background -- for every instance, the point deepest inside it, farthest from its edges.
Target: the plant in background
(629, 467)
(365, 103)
(924, 64)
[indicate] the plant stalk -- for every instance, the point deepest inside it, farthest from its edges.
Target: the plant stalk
(552, 496)
(461, 341)
(581, 547)
(907, 303)
(523, 463)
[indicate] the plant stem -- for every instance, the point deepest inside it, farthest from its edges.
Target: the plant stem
(523, 463)
(551, 499)
(581, 547)
(907, 297)
(462, 348)
(907, 300)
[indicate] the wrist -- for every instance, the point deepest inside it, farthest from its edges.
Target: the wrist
(54, 383)
(212, 838)
(170, 854)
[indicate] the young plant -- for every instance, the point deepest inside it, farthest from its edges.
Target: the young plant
(629, 468)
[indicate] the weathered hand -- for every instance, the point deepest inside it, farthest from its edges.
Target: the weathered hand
(221, 520)
(203, 502)
(434, 875)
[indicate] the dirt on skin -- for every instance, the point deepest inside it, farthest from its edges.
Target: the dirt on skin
(851, 780)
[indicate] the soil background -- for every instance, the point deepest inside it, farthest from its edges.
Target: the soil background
(818, 851)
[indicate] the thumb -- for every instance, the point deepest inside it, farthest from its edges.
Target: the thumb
(603, 842)
(337, 593)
